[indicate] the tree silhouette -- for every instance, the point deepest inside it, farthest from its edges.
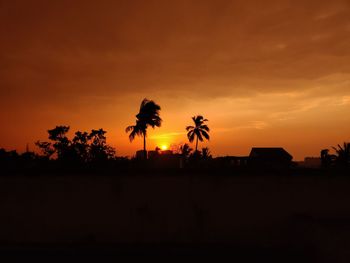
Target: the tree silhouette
(343, 154)
(206, 154)
(199, 130)
(85, 147)
(185, 150)
(326, 158)
(61, 142)
(99, 150)
(80, 143)
(147, 116)
(46, 148)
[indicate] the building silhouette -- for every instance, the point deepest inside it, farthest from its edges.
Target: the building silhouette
(270, 158)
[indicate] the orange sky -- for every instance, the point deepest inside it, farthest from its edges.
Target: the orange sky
(265, 73)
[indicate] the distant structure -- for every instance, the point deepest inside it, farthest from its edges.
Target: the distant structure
(162, 159)
(153, 154)
(269, 158)
(258, 157)
(232, 161)
(141, 155)
(311, 162)
(166, 152)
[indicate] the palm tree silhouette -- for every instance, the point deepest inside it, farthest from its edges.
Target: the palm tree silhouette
(343, 154)
(199, 131)
(147, 116)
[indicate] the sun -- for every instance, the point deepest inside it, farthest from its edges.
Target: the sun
(164, 147)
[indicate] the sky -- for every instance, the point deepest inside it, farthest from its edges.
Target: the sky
(264, 73)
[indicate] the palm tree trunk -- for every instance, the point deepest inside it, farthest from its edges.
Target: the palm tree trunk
(196, 144)
(144, 146)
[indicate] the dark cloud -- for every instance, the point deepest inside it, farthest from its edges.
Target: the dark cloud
(62, 54)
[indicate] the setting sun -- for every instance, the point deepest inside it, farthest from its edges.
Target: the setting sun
(164, 147)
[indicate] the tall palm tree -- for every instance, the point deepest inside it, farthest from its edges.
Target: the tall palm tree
(199, 130)
(343, 154)
(147, 116)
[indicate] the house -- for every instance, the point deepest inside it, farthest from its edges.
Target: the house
(269, 158)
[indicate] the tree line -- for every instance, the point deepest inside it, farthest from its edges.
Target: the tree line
(92, 148)
(84, 147)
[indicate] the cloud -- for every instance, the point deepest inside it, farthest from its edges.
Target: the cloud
(207, 49)
(252, 63)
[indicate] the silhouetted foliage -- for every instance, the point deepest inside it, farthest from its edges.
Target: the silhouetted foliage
(11, 160)
(99, 150)
(28, 156)
(157, 150)
(8, 155)
(203, 155)
(195, 156)
(87, 151)
(206, 154)
(61, 143)
(81, 145)
(85, 147)
(342, 154)
(46, 149)
(185, 150)
(148, 116)
(198, 131)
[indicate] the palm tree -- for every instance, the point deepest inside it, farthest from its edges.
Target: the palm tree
(343, 154)
(199, 130)
(147, 116)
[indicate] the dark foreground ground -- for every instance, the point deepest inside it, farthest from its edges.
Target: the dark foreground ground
(107, 218)
(158, 252)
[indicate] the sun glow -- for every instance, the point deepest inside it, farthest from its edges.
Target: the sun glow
(164, 147)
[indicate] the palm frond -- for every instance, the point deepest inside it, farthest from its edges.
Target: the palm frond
(129, 128)
(143, 103)
(155, 121)
(149, 113)
(205, 134)
(135, 130)
(198, 120)
(204, 127)
(199, 135)
(190, 136)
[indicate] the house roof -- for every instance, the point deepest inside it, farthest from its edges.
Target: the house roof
(270, 153)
